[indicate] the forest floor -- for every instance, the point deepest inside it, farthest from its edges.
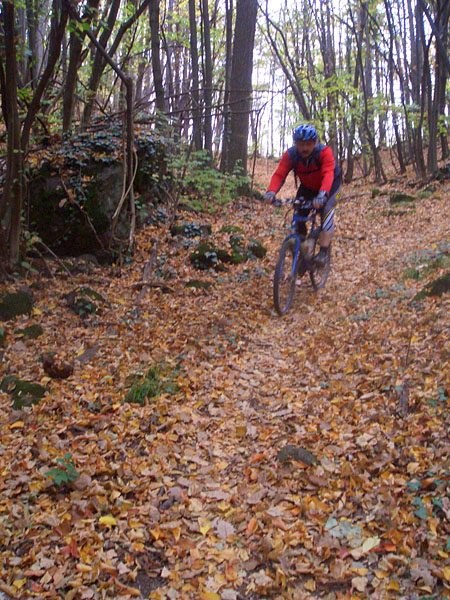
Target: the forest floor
(184, 497)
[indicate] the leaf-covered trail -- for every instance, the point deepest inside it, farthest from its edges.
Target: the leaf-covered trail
(199, 505)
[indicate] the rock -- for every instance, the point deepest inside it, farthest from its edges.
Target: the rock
(291, 452)
(31, 332)
(198, 284)
(88, 354)
(205, 256)
(398, 197)
(256, 249)
(23, 393)
(191, 230)
(15, 304)
(84, 301)
(55, 367)
(439, 286)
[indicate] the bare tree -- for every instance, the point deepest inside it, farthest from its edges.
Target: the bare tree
(196, 112)
(241, 83)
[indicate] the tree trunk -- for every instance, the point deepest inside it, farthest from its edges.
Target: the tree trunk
(391, 73)
(358, 33)
(241, 83)
(207, 77)
(32, 27)
(57, 29)
(99, 60)
(228, 60)
(288, 66)
(75, 50)
(12, 198)
(368, 131)
(156, 59)
(99, 64)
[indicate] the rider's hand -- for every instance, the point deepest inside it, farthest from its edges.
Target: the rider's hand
(320, 200)
(269, 197)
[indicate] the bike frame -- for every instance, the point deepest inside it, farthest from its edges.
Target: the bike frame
(295, 236)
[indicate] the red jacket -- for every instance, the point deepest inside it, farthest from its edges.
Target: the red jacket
(317, 172)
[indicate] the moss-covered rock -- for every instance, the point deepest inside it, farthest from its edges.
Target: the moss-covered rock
(31, 332)
(223, 255)
(204, 256)
(84, 301)
(400, 197)
(256, 249)
(15, 304)
(231, 229)
(23, 393)
(444, 172)
(439, 286)
(237, 256)
(76, 192)
(237, 241)
(191, 230)
(198, 284)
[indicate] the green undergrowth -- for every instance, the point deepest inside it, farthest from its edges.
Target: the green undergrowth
(158, 379)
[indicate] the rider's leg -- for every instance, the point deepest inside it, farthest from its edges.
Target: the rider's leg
(303, 192)
(327, 228)
(325, 238)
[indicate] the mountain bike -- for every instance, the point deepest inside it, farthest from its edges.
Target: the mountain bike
(297, 253)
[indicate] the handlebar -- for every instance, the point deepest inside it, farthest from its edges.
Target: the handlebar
(300, 202)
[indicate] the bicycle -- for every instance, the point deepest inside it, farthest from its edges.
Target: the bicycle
(296, 256)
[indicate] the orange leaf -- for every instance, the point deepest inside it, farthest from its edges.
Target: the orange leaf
(230, 573)
(252, 525)
(257, 457)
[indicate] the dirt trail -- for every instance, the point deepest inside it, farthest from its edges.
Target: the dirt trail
(202, 507)
(324, 378)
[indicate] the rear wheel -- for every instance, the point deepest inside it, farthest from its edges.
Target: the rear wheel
(319, 274)
(284, 278)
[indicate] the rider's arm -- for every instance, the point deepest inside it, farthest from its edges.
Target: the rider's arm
(327, 169)
(277, 180)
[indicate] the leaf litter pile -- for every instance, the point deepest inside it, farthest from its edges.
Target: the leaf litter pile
(203, 447)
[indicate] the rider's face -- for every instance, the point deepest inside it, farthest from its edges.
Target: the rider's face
(305, 147)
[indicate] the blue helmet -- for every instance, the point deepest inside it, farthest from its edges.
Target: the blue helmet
(304, 133)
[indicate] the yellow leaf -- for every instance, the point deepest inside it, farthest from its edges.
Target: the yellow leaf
(241, 431)
(432, 525)
(393, 585)
(369, 544)
(204, 525)
(446, 571)
(36, 311)
(310, 585)
(441, 553)
(17, 424)
(209, 596)
(19, 583)
(361, 571)
(107, 520)
(380, 574)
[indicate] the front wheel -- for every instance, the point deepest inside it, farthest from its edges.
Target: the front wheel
(318, 274)
(284, 278)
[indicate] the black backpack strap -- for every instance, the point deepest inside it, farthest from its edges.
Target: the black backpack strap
(294, 158)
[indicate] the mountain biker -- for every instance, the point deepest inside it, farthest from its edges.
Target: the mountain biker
(320, 181)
